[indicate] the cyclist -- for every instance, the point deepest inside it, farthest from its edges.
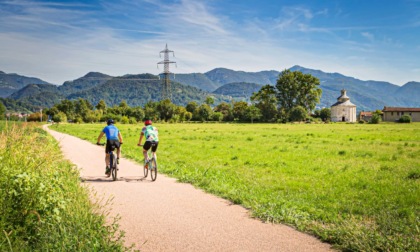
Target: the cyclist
(113, 140)
(151, 135)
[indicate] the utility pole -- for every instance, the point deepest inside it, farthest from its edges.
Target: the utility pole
(166, 90)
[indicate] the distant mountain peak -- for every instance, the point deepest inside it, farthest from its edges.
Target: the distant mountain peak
(1, 72)
(96, 75)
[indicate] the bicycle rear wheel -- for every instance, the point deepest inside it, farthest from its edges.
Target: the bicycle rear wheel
(153, 169)
(114, 167)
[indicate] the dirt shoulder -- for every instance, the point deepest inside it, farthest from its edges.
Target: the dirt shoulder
(169, 216)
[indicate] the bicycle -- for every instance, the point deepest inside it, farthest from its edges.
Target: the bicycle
(113, 165)
(150, 164)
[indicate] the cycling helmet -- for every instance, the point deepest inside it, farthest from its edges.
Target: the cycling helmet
(110, 121)
(148, 122)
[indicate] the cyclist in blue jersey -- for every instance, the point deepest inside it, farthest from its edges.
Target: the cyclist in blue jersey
(113, 140)
(151, 134)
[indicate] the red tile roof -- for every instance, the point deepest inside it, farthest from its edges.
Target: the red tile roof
(400, 109)
(365, 113)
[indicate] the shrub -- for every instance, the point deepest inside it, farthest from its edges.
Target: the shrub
(125, 120)
(298, 114)
(405, 119)
(132, 120)
(375, 119)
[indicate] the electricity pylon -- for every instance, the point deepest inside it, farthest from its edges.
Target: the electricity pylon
(166, 90)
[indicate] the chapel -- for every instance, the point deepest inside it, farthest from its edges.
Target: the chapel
(343, 110)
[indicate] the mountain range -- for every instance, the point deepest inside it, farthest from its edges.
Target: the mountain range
(223, 84)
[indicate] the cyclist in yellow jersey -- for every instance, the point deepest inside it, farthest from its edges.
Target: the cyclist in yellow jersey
(150, 133)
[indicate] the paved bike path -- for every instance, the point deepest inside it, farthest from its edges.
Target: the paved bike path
(169, 216)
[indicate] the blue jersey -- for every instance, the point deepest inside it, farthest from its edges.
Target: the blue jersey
(111, 132)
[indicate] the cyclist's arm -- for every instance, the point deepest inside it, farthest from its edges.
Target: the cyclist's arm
(141, 138)
(120, 137)
(100, 136)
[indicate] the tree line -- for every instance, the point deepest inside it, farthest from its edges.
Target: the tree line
(293, 98)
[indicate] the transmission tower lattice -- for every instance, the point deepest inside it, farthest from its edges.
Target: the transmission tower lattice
(166, 90)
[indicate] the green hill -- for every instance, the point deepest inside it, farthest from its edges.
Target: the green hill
(224, 83)
(367, 95)
(238, 90)
(223, 76)
(86, 82)
(10, 83)
(137, 90)
(197, 80)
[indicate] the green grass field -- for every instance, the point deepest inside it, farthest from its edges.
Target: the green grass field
(356, 186)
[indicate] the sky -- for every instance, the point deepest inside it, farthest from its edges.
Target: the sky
(59, 41)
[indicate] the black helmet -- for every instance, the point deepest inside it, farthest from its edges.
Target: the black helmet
(110, 121)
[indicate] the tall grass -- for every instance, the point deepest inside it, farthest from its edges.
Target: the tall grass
(354, 186)
(42, 205)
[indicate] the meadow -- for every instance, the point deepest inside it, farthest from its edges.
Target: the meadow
(356, 186)
(43, 206)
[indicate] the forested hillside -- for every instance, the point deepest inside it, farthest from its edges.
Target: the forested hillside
(136, 90)
(238, 91)
(225, 84)
(10, 83)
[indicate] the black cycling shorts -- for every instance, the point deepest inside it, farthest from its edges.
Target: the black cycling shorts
(111, 145)
(149, 144)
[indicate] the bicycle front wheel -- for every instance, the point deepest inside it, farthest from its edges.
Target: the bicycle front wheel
(146, 170)
(153, 169)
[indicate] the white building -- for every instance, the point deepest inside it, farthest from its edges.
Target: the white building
(343, 110)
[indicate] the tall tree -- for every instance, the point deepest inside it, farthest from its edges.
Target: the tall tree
(204, 112)
(209, 100)
(191, 106)
(123, 108)
(325, 114)
(266, 101)
(101, 105)
(150, 110)
(82, 107)
(239, 110)
(166, 109)
(137, 113)
(297, 89)
(68, 108)
(226, 109)
(252, 113)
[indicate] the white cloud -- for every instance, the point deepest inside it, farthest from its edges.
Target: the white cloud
(368, 36)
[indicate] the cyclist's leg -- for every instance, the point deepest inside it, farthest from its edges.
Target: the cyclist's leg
(107, 159)
(118, 147)
(146, 147)
(107, 150)
(154, 149)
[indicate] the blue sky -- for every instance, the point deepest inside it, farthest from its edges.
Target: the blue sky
(63, 40)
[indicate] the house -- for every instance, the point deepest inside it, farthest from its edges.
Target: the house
(392, 114)
(365, 116)
(343, 110)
